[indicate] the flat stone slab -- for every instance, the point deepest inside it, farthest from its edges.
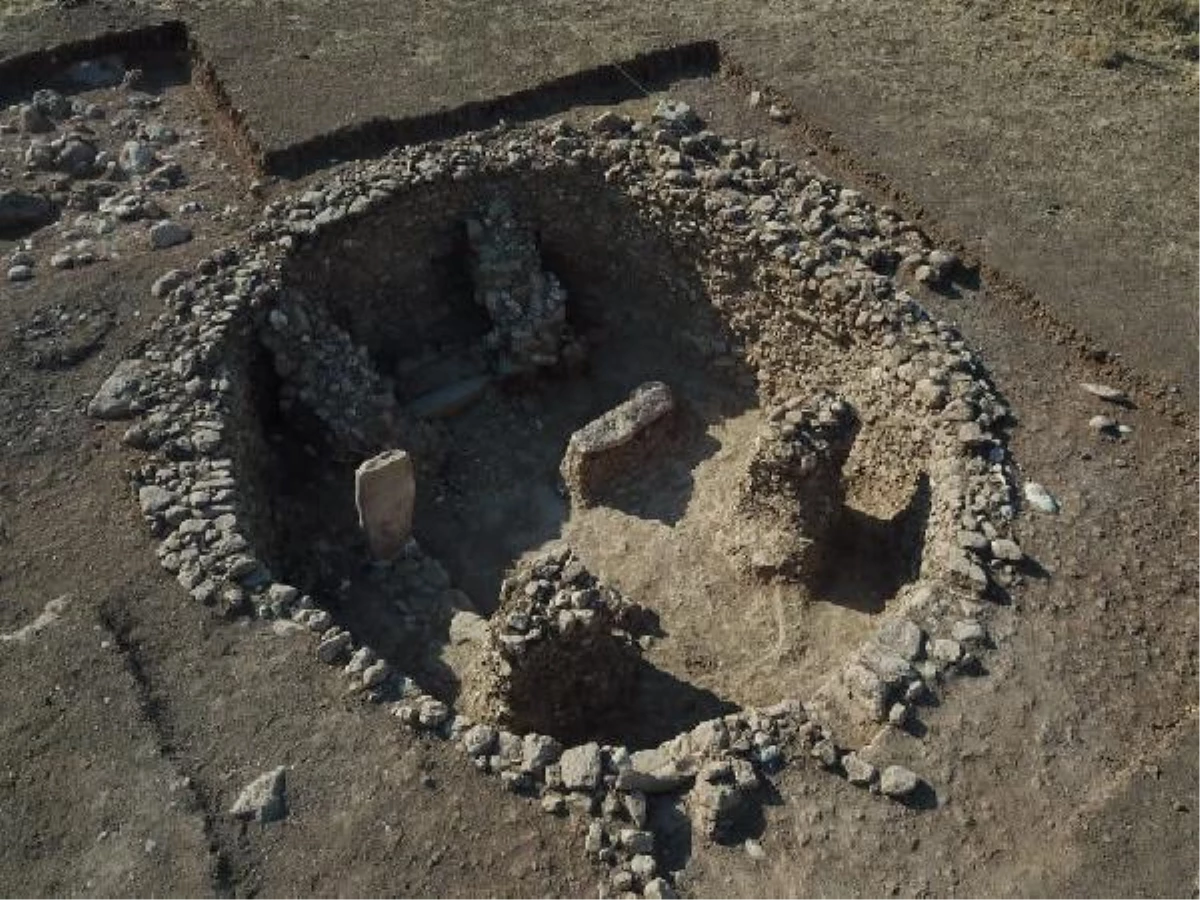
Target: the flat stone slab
(385, 489)
(616, 441)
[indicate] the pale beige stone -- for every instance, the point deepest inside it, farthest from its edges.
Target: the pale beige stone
(385, 489)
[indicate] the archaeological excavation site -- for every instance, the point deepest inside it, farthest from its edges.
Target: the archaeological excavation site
(539, 429)
(612, 458)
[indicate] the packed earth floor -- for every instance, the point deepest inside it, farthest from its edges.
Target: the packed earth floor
(633, 498)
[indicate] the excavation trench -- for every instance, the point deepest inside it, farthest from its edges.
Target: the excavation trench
(488, 429)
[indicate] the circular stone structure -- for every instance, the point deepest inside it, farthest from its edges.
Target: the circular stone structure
(862, 443)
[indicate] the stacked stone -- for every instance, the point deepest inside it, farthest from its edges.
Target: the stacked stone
(793, 494)
(561, 653)
(324, 374)
(527, 305)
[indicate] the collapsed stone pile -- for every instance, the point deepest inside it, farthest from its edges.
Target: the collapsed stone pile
(793, 493)
(804, 273)
(617, 442)
(562, 653)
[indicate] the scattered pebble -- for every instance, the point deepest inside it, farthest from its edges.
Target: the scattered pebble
(1040, 498)
(1104, 392)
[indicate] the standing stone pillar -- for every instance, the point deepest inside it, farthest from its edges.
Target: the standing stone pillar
(385, 488)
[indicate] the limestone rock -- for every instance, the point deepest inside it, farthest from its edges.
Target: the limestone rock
(616, 441)
(581, 767)
(263, 799)
(385, 489)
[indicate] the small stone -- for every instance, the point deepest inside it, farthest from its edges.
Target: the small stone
(826, 752)
(20, 273)
(167, 283)
(659, 889)
(643, 866)
(969, 633)
(859, 772)
(154, 499)
(167, 233)
(263, 799)
(32, 120)
(1040, 498)
(1102, 423)
(432, 713)
(376, 674)
(554, 803)
(332, 649)
(117, 395)
(538, 751)
(581, 767)
(1007, 550)
(898, 715)
(1104, 392)
(137, 157)
(898, 782)
(943, 264)
(637, 841)
(946, 651)
(479, 740)
(754, 849)
(610, 122)
(901, 636)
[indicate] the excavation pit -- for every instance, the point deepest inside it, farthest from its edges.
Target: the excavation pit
(477, 303)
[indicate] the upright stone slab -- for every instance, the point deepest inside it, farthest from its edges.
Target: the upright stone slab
(616, 442)
(384, 491)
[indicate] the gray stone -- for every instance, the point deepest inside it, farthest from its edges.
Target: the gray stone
(901, 636)
(376, 674)
(898, 782)
(167, 233)
(117, 397)
(1007, 550)
(1040, 498)
(431, 713)
(137, 157)
(1104, 392)
(333, 649)
(167, 282)
(616, 441)
(659, 889)
(858, 771)
(154, 499)
(643, 866)
(581, 767)
(654, 771)
(539, 751)
(20, 210)
(637, 841)
(969, 633)
(33, 121)
(20, 273)
(946, 651)
(263, 799)
(76, 157)
(384, 492)
(479, 740)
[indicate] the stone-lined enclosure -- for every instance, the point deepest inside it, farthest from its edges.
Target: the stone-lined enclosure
(351, 323)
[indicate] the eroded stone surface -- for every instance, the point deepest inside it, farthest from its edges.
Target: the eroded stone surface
(617, 442)
(385, 489)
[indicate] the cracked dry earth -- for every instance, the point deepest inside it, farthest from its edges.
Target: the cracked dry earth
(135, 716)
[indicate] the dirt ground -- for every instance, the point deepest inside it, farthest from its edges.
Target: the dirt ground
(129, 723)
